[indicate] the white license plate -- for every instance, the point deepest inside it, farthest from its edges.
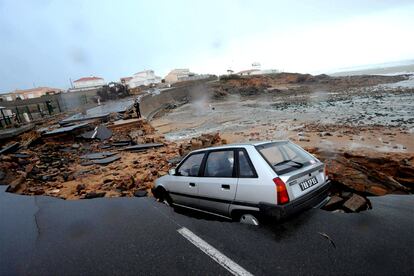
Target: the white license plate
(308, 183)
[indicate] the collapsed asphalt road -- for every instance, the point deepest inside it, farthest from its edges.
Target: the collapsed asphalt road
(47, 236)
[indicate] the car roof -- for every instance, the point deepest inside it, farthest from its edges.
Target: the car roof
(239, 145)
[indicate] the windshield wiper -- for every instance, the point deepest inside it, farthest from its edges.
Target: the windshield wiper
(299, 165)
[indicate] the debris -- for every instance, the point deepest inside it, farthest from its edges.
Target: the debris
(75, 146)
(28, 138)
(97, 155)
(94, 195)
(15, 184)
(62, 130)
(10, 148)
(80, 187)
(328, 238)
(100, 132)
(107, 160)
(143, 146)
(121, 143)
(21, 155)
(103, 133)
(175, 160)
(140, 193)
(334, 202)
(355, 203)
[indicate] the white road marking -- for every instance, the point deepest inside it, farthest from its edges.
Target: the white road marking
(216, 255)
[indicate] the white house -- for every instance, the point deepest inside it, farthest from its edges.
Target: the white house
(146, 77)
(89, 82)
(178, 75)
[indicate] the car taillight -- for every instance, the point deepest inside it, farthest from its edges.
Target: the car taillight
(325, 171)
(281, 191)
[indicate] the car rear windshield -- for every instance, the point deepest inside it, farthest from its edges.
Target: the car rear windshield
(285, 157)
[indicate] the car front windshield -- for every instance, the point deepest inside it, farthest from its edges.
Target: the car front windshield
(285, 157)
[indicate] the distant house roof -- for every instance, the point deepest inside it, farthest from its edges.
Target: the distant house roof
(126, 78)
(88, 79)
(37, 89)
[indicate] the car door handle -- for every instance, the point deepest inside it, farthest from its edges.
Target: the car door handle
(192, 184)
(225, 186)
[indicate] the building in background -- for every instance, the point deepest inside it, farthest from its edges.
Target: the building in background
(89, 82)
(125, 80)
(257, 72)
(146, 77)
(32, 93)
(247, 72)
(178, 75)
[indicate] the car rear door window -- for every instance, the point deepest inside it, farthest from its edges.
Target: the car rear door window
(191, 165)
(285, 157)
(245, 166)
(220, 164)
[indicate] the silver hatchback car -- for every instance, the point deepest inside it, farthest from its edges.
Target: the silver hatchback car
(246, 181)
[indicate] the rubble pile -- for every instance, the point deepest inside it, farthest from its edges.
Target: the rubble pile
(356, 176)
(120, 158)
(203, 141)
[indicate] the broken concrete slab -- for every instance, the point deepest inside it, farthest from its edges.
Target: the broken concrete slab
(140, 193)
(62, 130)
(143, 146)
(21, 155)
(79, 118)
(10, 148)
(103, 133)
(13, 132)
(333, 203)
(105, 146)
(125, 122)
(355, 203)
(107, 160)
(100, 132)
(94, 195)
(97, 155)
(121, 143)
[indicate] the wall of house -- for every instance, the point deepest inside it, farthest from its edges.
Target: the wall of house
(89, 83)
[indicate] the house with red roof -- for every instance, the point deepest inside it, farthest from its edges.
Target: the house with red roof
(88, 82)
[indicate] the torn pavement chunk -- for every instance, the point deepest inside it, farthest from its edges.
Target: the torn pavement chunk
(100, 132)
(64, 129)
(121, 143)
(10, 148)
(355, 203)
(105, 161)
(143, 146)
(97, 155)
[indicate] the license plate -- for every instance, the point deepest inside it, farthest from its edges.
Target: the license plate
(308, 183)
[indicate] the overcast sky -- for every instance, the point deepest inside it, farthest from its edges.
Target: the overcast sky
(45, 42)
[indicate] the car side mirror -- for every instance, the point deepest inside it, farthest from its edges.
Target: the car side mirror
(172, 172)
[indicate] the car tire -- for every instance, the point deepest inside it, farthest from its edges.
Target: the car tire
(162, 195)
(246, 218)
(249, 219)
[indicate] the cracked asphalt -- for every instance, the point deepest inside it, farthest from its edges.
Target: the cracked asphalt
(47, 236)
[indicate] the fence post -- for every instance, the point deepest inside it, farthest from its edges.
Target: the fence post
(18, 115)
(58, 104)
(40, 110)
(29, 113)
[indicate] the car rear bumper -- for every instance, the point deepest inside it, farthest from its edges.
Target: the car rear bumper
(307, 201)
